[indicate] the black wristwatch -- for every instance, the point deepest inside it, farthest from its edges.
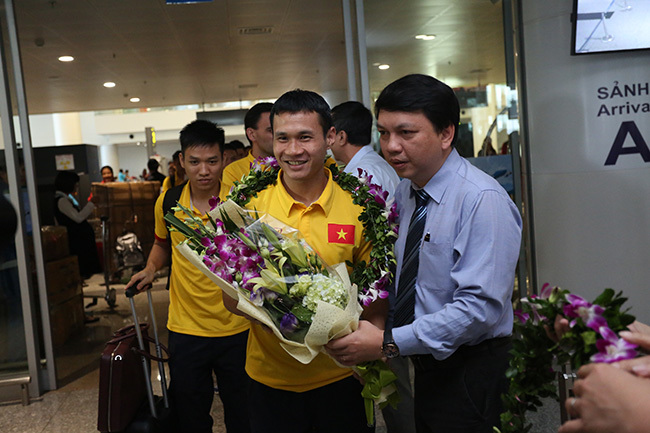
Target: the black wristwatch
(389, 349)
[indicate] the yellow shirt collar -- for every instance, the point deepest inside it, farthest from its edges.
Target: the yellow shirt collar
(325, 201)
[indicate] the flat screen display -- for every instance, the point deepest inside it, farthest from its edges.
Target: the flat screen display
(610, 25)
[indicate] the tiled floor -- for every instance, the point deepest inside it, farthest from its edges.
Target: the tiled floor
(73, 407)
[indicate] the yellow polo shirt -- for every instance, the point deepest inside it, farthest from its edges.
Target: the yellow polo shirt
(330, 226)
(235, 170)
(166, 184)
(195, 302)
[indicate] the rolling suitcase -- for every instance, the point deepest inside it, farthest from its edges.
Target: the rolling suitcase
(126, 399)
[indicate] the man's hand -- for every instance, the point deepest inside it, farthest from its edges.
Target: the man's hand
(560, 327)
(608, 399)
(639, 366)
(362, 345)
(143, 278)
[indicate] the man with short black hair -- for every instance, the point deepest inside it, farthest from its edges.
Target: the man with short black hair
(457, 250)
(353, 123)
(204, 338)
(258, 132)
(177, 175)
(319, 396)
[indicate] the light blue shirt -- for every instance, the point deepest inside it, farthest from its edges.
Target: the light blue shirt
(382, 173)
(467, 261)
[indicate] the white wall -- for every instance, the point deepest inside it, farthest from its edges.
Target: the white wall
(591, 220)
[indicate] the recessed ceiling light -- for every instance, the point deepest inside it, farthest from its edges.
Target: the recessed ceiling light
(383, 67)
(135, 99)
(66, 59)
(426, 37)
(109, 84)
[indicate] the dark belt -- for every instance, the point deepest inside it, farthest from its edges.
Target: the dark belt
(427, 362)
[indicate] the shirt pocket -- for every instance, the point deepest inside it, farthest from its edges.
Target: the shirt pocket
(436, 260)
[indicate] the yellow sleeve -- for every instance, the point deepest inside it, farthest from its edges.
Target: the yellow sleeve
(165, 185)
(160, 228)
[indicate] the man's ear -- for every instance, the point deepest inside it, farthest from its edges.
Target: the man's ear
(250, 134)
(331, 137)
(447, 136)
(181, 159)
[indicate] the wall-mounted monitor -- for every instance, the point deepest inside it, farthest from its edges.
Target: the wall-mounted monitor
(601, 26)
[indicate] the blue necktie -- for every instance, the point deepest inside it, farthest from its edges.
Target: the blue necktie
(405, 301)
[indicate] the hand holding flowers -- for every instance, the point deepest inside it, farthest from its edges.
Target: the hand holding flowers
(589, 334)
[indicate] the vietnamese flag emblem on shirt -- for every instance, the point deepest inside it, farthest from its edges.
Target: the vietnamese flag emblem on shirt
(340, 233)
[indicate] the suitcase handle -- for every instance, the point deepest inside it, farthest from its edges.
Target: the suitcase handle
(149, 355)
(126, 332)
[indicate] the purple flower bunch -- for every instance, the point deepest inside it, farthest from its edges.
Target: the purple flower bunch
(592, 337)
(231, 259)
(582, 314)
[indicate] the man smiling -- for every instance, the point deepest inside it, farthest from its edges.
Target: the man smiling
(319, 396)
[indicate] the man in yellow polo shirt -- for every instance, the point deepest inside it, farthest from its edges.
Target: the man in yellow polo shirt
(285, 395)
(177, 177)
(203, 336)
(258, 132)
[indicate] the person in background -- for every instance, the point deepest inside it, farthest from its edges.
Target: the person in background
(177, 175)
(258, 132)
(154, 174)
(81, 236)
(457, 250)
(229, 153)
(322, 396)
(107, 174)
(121, 177)
(353, 123)
(204, 338)
(242, 151)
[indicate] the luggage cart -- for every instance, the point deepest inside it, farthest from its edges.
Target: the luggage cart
(110, 293)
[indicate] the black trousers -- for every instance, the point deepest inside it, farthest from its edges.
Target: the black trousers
(334, 408)
(462, 394)
(193, 360)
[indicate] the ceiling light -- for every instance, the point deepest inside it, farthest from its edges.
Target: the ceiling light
(425, 37)
(383, 67)
(135, 99)
(66, 59)
(109, 84)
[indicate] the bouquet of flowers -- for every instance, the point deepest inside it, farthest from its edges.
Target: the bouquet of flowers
(592, 338)
(280, 281)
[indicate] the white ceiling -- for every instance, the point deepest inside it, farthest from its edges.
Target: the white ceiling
(187, 54)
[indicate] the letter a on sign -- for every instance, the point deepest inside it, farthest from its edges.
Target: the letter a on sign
(617, 149)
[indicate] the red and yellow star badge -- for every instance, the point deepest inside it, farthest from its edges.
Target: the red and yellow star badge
(340, 233)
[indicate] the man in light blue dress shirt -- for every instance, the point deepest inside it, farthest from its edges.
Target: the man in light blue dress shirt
(458, 338)
(353, 123)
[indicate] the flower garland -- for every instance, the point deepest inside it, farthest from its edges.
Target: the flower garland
(592, 337)
(379, 220)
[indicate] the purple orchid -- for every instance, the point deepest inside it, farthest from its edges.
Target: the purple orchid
(214, 202)
(521, 316)
(611, 348)
(591, 314)
(289, 323)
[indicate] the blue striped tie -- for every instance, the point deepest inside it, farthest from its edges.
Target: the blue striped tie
(405, 301)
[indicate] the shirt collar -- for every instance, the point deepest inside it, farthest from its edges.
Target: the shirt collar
(438, 184)
(325, 202)
(363, 151)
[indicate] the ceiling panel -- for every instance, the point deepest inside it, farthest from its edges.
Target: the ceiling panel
(184, 54)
